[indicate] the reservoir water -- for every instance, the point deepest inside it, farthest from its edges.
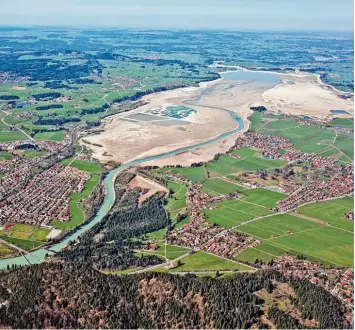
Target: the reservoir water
(267, 77)
(38, 256)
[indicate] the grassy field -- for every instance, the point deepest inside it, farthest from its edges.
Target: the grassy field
(309, 138)
(5, 250)
(172, 252)
(8, 136)
(252, 254)
(25, 236)
(83, 165)
(4, 155)
(34, 153)
(177, 201)
(299, 236)
(221, 187)
(76, 212)
(331, 211)
(24, 244)
(343, 122)
(249, 161)
(202, 261)
(53, 136)
(195, 174)
(264, 197)
(232, 212)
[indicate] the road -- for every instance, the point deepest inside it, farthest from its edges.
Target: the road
(13, 126)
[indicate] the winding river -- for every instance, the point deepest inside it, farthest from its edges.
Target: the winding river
(39, 255)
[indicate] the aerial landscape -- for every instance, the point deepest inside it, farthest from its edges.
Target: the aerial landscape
(173, 174)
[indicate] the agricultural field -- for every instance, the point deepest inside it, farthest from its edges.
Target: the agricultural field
(83, 165)
(53, 136)
(76, 211)
(221, 186)
(343, 122)
(195, 174)
(172, 251)
(202, 261)
(328, 245)
(331, 211)
(25, 236)
(263, 197)
(177, 200)
(248, 160)
(229, 213)
(4, 155)
(318, 139)
(34, 153)
(9, 136)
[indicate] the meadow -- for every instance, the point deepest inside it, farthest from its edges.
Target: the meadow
(331, 211)
(309, 138)
(25, 236)
(229, 213)
(202, 261)
(53, 136)
(220, 186)
(195, 174)
(248, 160)
(177, 200)
(83, 165)
(76, 212)
(172, 251)
(298, 236)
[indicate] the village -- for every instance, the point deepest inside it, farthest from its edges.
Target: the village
(45, 196)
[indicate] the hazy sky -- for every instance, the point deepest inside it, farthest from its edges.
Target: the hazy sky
(230, 14)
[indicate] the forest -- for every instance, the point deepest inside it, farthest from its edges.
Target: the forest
(106, 245)
(73, 295)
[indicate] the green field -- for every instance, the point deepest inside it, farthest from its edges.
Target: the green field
(34, 153)
(252, 254)
(325, 244)
(232, 212)
(172, 251)
(9, 136)
(249, 161)
(202, 261)
(343, 122)
(177, 201)
(76, 212)
(195, 174)
(308, 138)
(264, 197)
(4, 155)
(22, 243)
(53, 136)
(331, 211)
(221, 187)
(83, 165)
(28, 236)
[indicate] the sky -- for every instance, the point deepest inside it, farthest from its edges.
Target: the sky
(183, 14)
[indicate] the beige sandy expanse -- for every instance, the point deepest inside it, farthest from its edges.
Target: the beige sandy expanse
(303, 94)
(127, 136)
(144, 183)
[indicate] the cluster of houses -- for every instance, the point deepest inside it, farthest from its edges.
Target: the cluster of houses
(340, 184)
(338, 281)
(45, 197)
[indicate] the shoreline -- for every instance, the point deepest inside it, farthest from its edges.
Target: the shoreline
(294, 73)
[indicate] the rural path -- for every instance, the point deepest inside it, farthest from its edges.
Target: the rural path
(160, 265)
(13, 126)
